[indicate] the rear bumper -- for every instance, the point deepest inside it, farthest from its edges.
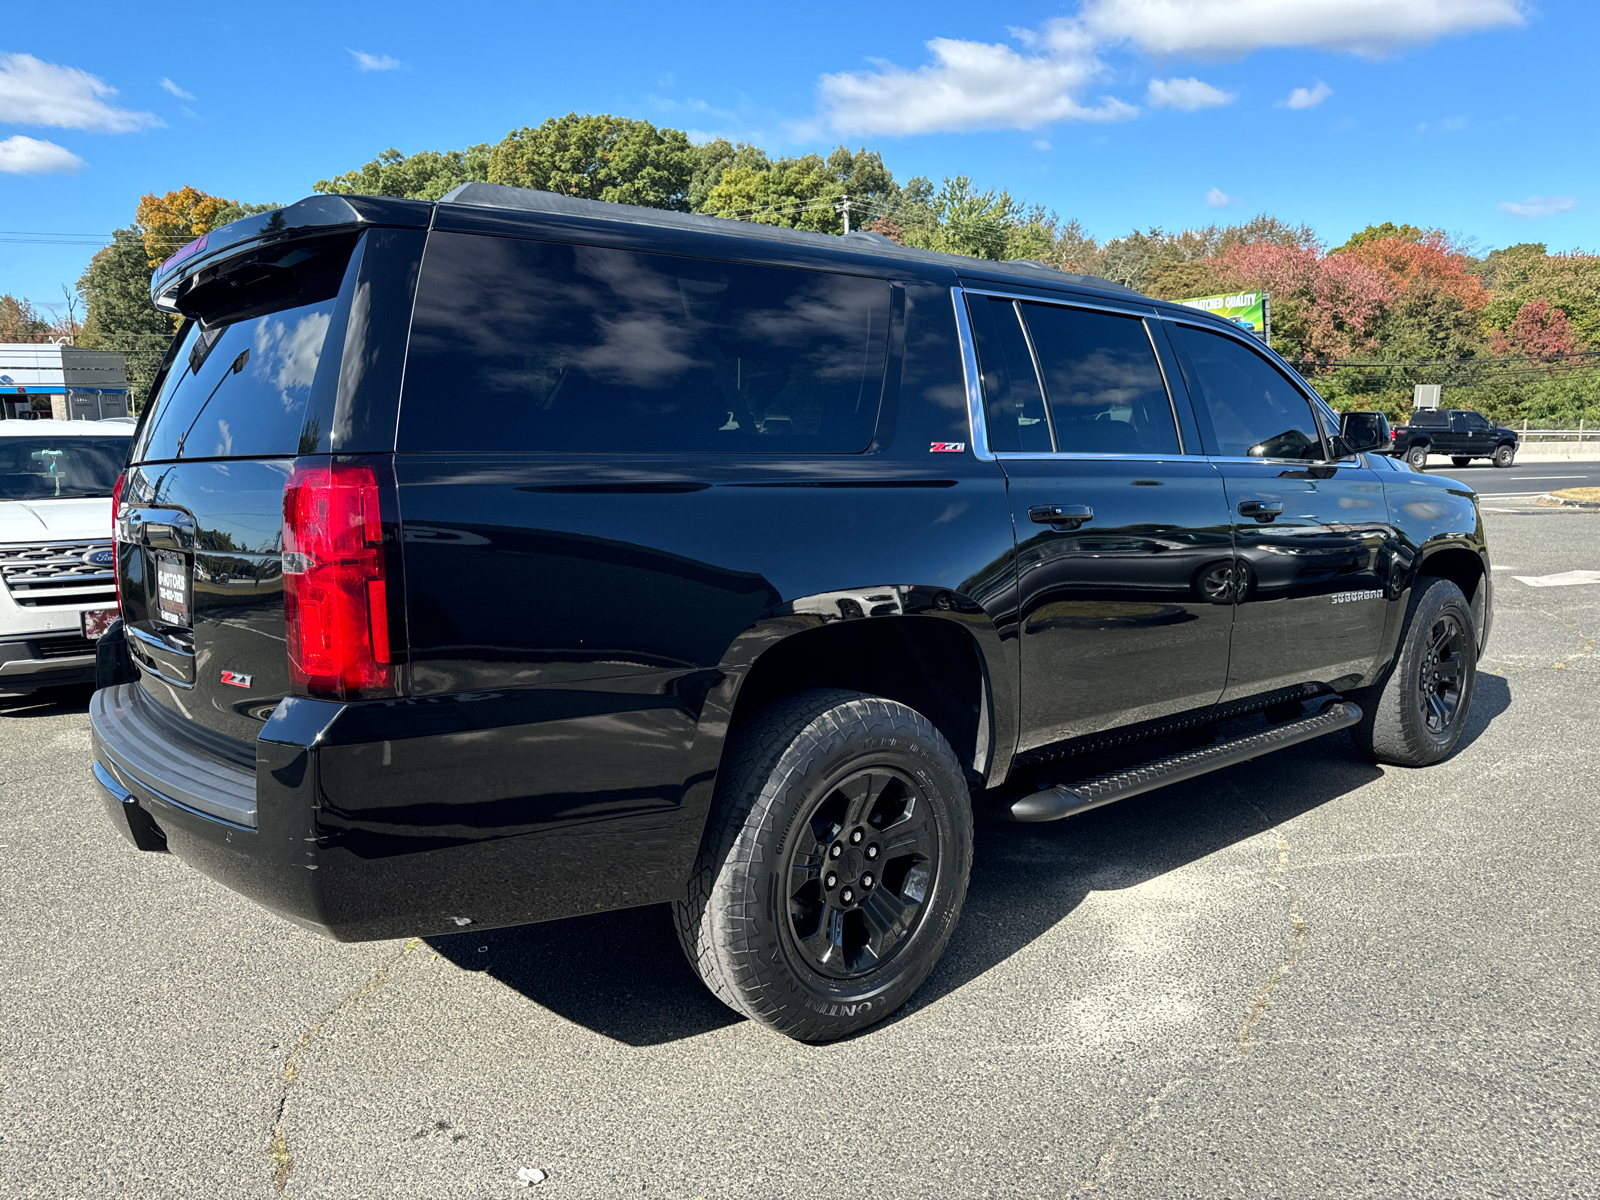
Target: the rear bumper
(388, 819)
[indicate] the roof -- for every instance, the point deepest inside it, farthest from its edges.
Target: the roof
(529, 200)
(24, 428)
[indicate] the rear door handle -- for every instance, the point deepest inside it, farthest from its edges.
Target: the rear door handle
(1261, 510)
(1068, 516)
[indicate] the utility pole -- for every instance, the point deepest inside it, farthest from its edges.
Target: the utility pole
(842, 205)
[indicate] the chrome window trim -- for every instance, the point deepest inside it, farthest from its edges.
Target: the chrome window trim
(976, 416)
(977, 430)
(1038, 377)
(1006, 455)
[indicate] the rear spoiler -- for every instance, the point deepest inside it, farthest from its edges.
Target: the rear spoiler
(316, 216)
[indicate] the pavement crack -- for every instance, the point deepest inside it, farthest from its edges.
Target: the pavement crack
(278, 1152)
(1299, 931)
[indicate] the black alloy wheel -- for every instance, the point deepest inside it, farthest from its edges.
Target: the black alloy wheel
(1417, 456)
(1440, 677)
(1417, 711)
(1504, 455)
(834, 865)
(859, 870)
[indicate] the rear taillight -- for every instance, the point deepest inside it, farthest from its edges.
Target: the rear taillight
(336, 581)
(116, 522)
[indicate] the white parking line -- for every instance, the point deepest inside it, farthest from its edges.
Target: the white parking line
(1564, 579)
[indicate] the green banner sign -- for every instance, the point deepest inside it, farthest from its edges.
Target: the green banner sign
(1247, 309)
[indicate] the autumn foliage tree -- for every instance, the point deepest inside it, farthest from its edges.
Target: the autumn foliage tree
(1539, 331)
(168, 222)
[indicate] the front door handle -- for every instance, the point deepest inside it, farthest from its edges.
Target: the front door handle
(1062, 516)
(1262, 510)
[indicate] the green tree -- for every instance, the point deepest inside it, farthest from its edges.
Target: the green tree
(712, 159)
(599, 157)
(116, 290)
(427, 175)
(1376, 233)
(235, 210)
(959, 219)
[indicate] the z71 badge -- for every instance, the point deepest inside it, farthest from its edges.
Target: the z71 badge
(948, 448)
(234, 679)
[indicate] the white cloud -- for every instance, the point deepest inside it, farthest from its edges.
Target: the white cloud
(1187, 94)
(1218, 198)
(177, 91)
(969, 85)
(374, 62)
(1539, 206)
(1219, 27)
(34, 92)
(28, 156)
(1041, 144)
(1308, 97)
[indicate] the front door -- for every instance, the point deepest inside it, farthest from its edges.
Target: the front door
(1124, 555)
(1311, 536)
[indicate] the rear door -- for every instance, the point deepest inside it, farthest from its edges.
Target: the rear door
(1123, 540)
(1311, 534)
(201, 518)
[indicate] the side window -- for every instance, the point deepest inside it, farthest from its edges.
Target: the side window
(1102, 382)
(1013, 406)
(520, 345)
(1477, 421)
(1252, 408)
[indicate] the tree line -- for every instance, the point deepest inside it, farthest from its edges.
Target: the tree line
(1514, 332)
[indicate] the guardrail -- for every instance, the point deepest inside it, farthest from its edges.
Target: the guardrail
(1576, 435)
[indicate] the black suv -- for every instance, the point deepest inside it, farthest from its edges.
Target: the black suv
(516, 557)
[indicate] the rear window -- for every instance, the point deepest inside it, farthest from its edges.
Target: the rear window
(242, 388)
(533, 346)
(60, 468)
(1427, 417)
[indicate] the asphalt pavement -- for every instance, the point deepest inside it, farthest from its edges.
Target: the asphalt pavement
(1521, 478)
(1301, 977)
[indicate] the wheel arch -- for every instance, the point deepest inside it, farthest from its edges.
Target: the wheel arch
(929, 648)
(1464, 567)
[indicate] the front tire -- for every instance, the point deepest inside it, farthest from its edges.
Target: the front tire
(1504, 455)
(1417, 456)
(834, 866)
(1416, 715)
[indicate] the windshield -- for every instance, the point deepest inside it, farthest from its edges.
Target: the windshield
(58, 468)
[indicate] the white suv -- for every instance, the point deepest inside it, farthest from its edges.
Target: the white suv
(57, 586)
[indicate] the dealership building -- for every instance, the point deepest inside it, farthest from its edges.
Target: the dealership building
(66, 383)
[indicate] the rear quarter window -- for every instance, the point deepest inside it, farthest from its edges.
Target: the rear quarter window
(535, 346)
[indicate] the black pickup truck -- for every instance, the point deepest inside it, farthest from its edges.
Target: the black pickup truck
(515, 557)
(1460, 433)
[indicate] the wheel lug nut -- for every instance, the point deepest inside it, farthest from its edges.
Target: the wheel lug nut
(831, 881)
(855, 838)
(872, 852)
(866, 881)
(836, 851)
(847, 895)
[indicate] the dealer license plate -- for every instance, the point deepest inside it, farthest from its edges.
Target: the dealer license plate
(172, 589)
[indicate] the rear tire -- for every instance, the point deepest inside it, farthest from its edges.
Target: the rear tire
(1460, 461)
(1504, 455)
(1415, 715)
(834, 865)
(1417, 456)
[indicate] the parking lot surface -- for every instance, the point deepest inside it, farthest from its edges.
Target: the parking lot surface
(1301, 977)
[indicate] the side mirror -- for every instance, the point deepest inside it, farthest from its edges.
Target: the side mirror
(1360, 431)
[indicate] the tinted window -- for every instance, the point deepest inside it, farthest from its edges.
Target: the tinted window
(1013, 404)
(208, 409)
(1429, 417)
(1476, 420)
(1252, 408)
(540, 346)
(1102, 382)
(242, 387)
(51, 468)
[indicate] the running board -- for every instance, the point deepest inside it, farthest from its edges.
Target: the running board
(1051, 804)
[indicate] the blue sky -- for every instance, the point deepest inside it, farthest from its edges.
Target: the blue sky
(1476, 116)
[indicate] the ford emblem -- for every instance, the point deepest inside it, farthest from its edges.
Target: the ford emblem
(101, 558)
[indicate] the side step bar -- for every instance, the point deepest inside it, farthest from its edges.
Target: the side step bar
(1052, 804)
